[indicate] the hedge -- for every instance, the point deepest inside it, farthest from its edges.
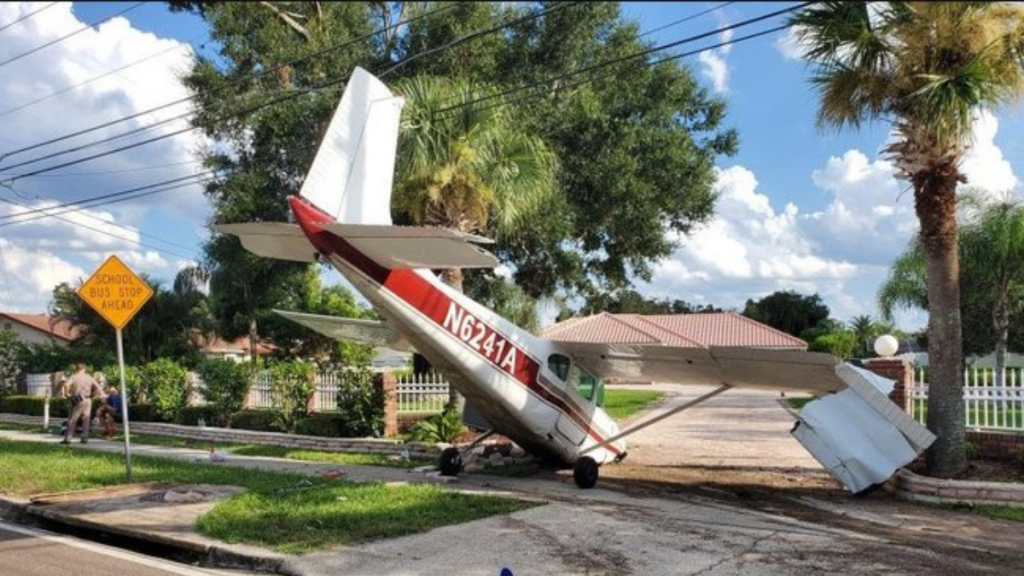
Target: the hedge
(320, 424)
(211, 414)
(258, 420)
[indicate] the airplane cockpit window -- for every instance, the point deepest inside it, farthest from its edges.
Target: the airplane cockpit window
(559, 364)
(583, 382)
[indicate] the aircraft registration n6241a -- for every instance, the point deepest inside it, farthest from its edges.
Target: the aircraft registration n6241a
(532, 389)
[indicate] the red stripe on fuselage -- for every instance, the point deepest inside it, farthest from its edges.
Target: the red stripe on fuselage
(435, 304)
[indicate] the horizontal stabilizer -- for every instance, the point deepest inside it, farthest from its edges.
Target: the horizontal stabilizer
(272, 240)
(398, 247)
(369, 332)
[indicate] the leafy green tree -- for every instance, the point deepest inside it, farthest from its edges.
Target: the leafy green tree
(360, 403)
(928, 68)
(628, 301)
(842, 344)
(291, 384)
(166, 385)
(226, 385)
(787, 311)
(507, 299)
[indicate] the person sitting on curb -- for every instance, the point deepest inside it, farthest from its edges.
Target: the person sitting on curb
(80, 388)
(110, 412)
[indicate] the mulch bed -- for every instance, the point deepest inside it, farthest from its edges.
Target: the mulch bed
(982, 470)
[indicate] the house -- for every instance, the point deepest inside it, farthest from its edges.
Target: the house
(38, 328)
(237, 349)
(685, 330)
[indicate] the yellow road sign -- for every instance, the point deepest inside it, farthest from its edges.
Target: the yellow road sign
(115, 292)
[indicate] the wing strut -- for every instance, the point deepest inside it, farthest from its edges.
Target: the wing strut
(657, 418)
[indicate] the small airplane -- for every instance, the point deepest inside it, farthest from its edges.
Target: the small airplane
(536, 391)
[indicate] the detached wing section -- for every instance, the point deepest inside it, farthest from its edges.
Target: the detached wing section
(397, 247)
(738, 367)
(272, 240)
(368, 332)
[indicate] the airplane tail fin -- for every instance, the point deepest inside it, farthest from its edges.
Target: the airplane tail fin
(351, 176)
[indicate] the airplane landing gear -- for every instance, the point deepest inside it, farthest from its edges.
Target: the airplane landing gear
(585, 472)
(450, 462)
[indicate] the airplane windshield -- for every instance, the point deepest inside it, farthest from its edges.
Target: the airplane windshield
(582, 381)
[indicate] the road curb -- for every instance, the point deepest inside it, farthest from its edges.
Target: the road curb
(23, 512)
(914, 487)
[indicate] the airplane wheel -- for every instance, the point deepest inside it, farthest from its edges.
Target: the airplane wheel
(585, 472)
(450, 463)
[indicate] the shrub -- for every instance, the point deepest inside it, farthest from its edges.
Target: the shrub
(132, 382)
(322, 424)
(33, 406)
(444, 427)
(167, 387)
(45, 358)
(11, 350)
(971, 450)
(143, 413)
(292, 383)
(259, 420)
(226, 383)
(840, 344)
(211, 414)
(360, 403)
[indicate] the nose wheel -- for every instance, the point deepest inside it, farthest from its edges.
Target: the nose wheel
(450, 462)
(584, 472)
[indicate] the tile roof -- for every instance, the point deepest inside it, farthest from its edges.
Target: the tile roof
(682, 330)
(61, 329)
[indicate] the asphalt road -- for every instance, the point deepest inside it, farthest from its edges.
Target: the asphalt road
(27, 552)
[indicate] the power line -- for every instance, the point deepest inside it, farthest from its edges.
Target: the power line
(288, 96)
(120, 171)
(111, 234)
(628, 57)
(66, 36)
(101, 76)
(27, 16)
(234, 82)
(686, 19)
(4, 219)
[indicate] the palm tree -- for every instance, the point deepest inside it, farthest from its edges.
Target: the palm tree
(929, 68)
(467, 165)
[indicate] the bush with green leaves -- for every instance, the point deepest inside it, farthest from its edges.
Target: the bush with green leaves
(291, 384)
(444, 427)
(259, 420)
(360, 403)
(49, 357)
(839, 344)
(132, 382)
(166, 384)
(11, 349)
(226, 385)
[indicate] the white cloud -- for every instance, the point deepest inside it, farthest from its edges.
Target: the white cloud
(27, 277)
(82, 239)
(715, 67)
(984, 164)
(789, 44)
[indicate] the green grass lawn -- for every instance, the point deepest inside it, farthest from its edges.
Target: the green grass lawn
(621, 404)
(798, 403)
(285, 512)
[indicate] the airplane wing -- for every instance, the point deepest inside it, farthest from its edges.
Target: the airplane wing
(272, 240)
(738, 367)
(398, 247)
(357, 330)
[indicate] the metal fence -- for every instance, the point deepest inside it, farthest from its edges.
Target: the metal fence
(987, 404)
(421, 394)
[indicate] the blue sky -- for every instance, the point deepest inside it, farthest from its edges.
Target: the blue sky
(799, 208)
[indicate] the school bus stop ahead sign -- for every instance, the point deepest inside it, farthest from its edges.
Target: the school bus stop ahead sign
(115, 292)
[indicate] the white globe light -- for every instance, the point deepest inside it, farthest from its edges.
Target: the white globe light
(886, 346)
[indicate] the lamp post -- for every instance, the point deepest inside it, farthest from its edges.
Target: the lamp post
(886, 346)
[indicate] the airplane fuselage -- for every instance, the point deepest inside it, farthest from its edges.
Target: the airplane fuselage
(520, 383)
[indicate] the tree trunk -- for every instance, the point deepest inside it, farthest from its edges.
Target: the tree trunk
(1001, 323)
(453, 278)
(935, 203)
(253, 339)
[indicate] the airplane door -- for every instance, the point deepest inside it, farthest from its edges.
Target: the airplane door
(561, 371)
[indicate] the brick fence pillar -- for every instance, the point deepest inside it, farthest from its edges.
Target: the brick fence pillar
(250, 398)
(902, 372)
(389, 383)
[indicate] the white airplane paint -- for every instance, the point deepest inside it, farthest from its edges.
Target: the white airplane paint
(527, 387)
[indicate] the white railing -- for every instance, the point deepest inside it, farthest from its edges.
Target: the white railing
(986, 405)
(424, 393)
(418, 394)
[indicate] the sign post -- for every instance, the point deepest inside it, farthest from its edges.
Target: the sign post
(117, 294)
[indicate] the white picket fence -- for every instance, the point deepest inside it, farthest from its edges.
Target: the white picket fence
(416, 393)
(986, 405)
